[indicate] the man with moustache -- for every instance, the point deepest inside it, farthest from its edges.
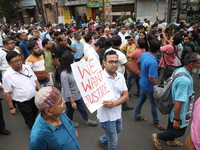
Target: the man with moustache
(23, 46)
(20, 84)
(52, 129)
(183, 98)
(36, 62)
(109, 115)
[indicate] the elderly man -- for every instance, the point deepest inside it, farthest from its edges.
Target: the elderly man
(20, 84)
(183, 98)
(109, 115)
(52, 129)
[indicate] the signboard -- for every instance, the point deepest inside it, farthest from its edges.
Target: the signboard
(88, 13)
(93, 3)
(72, 2)
(91, 83)
(66, 14)
(27, 3)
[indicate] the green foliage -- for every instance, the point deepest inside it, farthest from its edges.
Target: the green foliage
(8, 8)
(122, 17)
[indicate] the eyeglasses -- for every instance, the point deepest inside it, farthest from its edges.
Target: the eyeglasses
(113, 62)
(16, 61)
(11, 43)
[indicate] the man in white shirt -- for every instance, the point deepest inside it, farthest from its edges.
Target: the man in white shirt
(95, 49)
(87, 46)
(20, 84)
(123, 34)
(109, 115)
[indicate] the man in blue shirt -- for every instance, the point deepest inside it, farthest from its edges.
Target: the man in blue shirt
(52, 128)
(149, 75)
(183, 98)
(23, 46)
(78, 46)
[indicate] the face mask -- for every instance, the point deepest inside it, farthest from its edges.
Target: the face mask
(195, 70)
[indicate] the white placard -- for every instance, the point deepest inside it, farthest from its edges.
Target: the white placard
(91, 83)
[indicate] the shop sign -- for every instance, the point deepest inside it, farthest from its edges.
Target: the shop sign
(72, 2)
(27, 3)
(66, 14)
(88, 13)
(93, 3)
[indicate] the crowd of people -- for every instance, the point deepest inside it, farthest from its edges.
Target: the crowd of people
(36, 58)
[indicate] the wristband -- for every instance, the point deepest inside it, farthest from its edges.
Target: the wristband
(177, 120)
(11, 108)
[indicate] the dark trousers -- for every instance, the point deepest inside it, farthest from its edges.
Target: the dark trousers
(2, 123)
(28, 110)
(81, 108)
(171, 133)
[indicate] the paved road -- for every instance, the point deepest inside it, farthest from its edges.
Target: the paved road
(134, 136)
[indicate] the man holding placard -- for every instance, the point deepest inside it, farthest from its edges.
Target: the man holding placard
(109, 115)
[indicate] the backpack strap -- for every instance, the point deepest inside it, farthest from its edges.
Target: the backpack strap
(180, 74)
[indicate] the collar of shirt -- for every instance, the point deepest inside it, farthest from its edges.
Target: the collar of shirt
(13, 71)
(108, 76)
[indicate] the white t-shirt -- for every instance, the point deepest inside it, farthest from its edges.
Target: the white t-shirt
(86, 48)
(117, 86)
(92, 51)
(122, 60)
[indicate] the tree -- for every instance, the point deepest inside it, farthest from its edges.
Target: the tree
(8, 8)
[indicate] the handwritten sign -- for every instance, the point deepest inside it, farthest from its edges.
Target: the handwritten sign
(91, 83)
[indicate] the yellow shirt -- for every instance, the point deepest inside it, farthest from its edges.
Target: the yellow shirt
(123, 49)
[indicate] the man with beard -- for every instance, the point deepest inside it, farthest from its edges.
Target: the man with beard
(109, 115)
(183, 99)
(36, 62)
(20, 84)
(23, 46)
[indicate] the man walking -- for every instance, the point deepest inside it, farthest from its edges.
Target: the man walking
(183, 98)
(109, 115)
(20, 84)
(149, 75)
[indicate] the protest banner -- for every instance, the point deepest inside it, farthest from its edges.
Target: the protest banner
(91, 83)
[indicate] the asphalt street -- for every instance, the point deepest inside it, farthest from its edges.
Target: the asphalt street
(136, 135)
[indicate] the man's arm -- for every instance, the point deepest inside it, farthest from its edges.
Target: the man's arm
(177, 110)
(153, 81)
(9, 101)
(38, 87)
(57, 63)
(129, 68)
(122, 99)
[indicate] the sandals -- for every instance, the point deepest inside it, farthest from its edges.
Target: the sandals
(159, 126)
(156, 142)
(140, 119)
(175, 143)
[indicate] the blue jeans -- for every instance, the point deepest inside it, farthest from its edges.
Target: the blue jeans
(111, 128)
(131, 78)
(143, 96)
(43, 83)
(81, 108)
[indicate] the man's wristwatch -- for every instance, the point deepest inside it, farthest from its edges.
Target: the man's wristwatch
(177, 119)
(11, 108)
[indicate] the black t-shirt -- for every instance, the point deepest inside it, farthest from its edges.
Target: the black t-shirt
(60, 50)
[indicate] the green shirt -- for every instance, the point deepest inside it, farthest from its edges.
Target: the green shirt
(48, 61)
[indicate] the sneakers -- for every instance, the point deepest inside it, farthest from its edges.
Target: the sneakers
(76, 124)
(91, 123)
(104, 145)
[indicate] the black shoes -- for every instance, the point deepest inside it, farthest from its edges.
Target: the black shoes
(5, 132)
(127, 108)
(104, 145)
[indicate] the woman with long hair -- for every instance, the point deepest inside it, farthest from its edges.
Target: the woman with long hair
(70, 92)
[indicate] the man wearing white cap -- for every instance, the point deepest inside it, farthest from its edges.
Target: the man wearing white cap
(52, 128)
